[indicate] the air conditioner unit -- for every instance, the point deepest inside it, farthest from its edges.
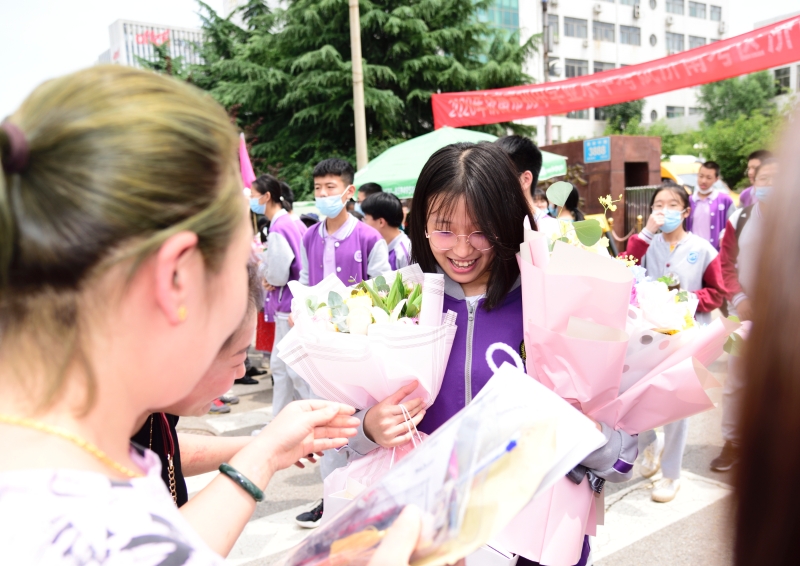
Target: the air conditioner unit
(670, 20)
(586, 43)
(721, 28)
(598, 8)
(636, 12)
(553, 3)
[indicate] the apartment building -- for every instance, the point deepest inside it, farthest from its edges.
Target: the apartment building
(787, 78)
(129, 39)
(592, 36)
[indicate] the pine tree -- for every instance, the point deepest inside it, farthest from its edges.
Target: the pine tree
(287, 73)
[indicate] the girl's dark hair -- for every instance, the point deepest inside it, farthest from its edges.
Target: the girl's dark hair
(769, 426)
(485, 177)
(678, 190)
(539, 194)
(573, 200)
(288, 196)
(267, 184)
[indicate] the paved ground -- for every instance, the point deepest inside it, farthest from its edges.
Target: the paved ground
(693, 529)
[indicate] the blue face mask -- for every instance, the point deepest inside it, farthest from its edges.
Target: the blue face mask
(672, 219)
(257, 208)
(358, 209)
(329, 206)
(762, 193)
(552, 209)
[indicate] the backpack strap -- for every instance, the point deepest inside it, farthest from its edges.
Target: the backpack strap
(743, 217)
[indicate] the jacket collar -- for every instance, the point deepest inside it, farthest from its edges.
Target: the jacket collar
(455, 291)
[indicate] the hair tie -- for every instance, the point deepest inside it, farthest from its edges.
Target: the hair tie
(16, 158)
(281, 199)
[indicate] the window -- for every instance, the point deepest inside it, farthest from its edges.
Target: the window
(697, 10)
(573, 27)
(575, 68)
(599, 67)
(695, 41)
(676, 111)
(783, 79)
(653, 4)
(653, 115)
(653, 39)
(629, 3)
(600, 113)
(675, 6)
(503, 14)
(602, 31)
(716, 13)
(630, 35)
(674, 42)
(579, 114)
(693, 111)
(552, 30)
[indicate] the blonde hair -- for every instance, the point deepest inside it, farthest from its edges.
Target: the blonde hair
(119, 160)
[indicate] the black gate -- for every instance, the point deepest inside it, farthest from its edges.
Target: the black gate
(637, 203)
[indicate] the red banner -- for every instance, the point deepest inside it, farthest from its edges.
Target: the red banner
(770, 46)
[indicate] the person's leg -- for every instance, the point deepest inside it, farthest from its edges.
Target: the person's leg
(675, 435)
(646, 439)
(732, 400)
(300, 386)
(283, 388)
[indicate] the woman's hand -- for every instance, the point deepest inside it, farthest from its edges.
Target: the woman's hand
(384, 424)
(307, 427)
(655, 222)
(401, 540)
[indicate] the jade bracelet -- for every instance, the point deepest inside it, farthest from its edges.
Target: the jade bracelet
(242, 481)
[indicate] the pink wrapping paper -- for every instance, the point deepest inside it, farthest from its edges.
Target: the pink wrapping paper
(584, 371)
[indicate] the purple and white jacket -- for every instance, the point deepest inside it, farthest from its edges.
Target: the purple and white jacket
(283, 263)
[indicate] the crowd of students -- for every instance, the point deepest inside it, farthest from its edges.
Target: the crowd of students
(141, 286)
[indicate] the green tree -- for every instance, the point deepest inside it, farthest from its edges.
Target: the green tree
(287, 73)
(163, 62)
(621, 116)
(741, 96)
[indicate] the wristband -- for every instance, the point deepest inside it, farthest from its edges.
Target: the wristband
(234, 474)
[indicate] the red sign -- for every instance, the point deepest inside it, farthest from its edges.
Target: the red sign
(766, 47)
(152, 37)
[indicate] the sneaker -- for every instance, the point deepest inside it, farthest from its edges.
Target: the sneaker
(218, 407)
(246, 380)
(665, 490)
(651, 460)
(310, 519)
(229, 399)
(726, 459)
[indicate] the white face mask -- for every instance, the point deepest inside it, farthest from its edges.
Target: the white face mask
(706, 192)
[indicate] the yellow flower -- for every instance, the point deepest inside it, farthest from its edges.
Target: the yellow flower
(359, 301)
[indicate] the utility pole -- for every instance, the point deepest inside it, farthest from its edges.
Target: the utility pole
(358, 87)
(548, 136)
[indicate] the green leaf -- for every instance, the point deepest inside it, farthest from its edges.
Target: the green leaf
(395, 294)
(376, 298)
(734, 318)
(589, 232)
(558, 192)
(335, 300)
(666, 280)
(734, 345)
(563, 239)
(683, 296)
(380, 284)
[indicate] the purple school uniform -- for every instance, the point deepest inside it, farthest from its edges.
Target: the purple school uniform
(467, 371)
(747, 197)
(280, 298)
(721, 207)
(352, 253)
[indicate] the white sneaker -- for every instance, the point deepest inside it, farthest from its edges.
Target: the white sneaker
(651, 459)
(665, 489)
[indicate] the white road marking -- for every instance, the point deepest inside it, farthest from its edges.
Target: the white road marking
(235, 421)
(631, 515)
(269, 536)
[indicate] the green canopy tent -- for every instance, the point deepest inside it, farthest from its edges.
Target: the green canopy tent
(398, 168)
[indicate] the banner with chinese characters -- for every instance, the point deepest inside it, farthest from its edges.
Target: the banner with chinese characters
(770, 46)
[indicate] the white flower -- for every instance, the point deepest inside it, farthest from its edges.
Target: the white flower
(358, 301)
(379, 315)
(359, 319)
(396, 312)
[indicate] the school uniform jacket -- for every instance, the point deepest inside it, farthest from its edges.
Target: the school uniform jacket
(283, 263)
(720, 206)
(739, 255)
(693, 260)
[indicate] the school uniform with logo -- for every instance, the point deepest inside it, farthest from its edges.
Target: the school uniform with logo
(355, 253)
(709, 216)
(400, 252)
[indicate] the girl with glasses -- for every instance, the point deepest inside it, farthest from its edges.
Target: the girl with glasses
(666, 248)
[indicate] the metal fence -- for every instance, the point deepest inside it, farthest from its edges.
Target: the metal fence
(637, 203)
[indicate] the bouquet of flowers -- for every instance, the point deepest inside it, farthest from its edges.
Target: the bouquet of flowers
(633, 368)
(358, 345)
(470, 477)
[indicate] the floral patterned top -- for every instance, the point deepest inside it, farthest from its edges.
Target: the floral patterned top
(76, 518)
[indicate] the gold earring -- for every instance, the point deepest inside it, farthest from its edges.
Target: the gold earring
(182, 313)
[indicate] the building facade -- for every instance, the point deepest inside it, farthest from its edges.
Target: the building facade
(787, 78)
(129, 39)
(592, 36)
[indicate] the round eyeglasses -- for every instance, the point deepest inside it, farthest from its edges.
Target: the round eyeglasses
(445, 241)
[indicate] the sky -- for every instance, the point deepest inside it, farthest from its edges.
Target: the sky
(41, 39)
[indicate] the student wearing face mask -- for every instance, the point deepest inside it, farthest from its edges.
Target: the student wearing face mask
(747, 196)
(695, 264)
(340, 244)
(741, 250)
(710, 207)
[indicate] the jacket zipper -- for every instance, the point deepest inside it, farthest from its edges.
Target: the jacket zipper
(471, 307)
